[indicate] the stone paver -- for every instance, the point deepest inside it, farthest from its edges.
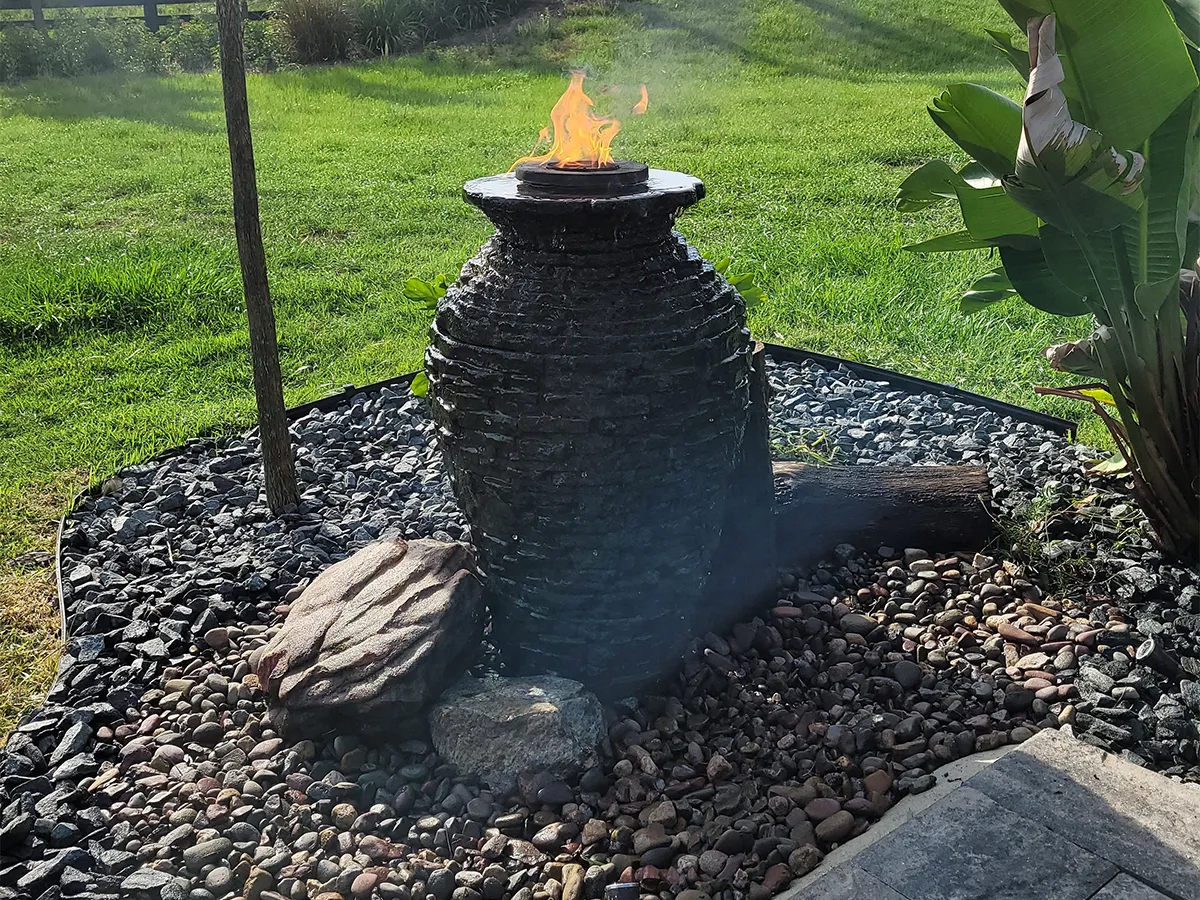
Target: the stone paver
(1125, 887)
(945, 854)
(1146, 824)
(848, 883)
(1053, 818)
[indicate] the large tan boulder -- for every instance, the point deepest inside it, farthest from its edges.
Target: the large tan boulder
(374, 639)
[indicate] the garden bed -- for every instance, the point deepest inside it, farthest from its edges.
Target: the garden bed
(150, 771)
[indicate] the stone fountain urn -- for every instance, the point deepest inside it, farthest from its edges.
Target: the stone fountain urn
(590, 381)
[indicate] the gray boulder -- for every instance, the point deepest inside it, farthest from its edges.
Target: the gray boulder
(374, 639)
(498, 728)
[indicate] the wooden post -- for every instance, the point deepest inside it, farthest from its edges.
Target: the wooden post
(39, 20)
(150, 14)
(278, 464)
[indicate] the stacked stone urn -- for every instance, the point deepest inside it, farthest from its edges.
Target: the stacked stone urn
(591, 385)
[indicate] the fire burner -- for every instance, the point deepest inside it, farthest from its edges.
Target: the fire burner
(621, 176)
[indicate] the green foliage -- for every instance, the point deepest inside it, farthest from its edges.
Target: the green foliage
(1093, 180)
(193, 44)
(752, 294)
(24, 53)
(388, 27)
(319, 30)
(425, 296)
(76, 45)
(83, 47)
(265, 44)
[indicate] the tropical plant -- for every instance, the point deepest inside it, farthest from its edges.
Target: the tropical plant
(1088, 193)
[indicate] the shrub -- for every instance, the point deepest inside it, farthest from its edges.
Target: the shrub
(392, 26)
(319, 30)
(80, 46)
(150, 53)
(193, 46)
(24, 53)
(266, 44)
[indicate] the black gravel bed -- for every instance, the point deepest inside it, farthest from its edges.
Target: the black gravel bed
(150, 771)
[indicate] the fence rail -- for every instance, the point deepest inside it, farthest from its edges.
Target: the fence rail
(150, 14)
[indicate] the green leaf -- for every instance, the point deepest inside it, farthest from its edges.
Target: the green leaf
(930, 185)
(991, 215)
(1156, 238)
(1128, 55)
(426, 293)
(988, 289)
(977, 176)
(948, 243)
(1067, 173)
(985, 124)
(753, 296)
(1032, 279)
(722, 265)
(1068, 263)
(1018, 56)
(1150, 297)
(420, 384)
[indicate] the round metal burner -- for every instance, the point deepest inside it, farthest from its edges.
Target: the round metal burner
(621, 177)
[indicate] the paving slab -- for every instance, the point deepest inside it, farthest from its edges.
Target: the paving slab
(1146, 824)
(1051, 818)
(968, 847)
(848, 883)
(1126, 887)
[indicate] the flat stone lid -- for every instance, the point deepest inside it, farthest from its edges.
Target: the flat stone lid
(664, 190)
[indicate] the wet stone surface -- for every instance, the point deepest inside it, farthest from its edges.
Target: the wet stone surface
(151, 772)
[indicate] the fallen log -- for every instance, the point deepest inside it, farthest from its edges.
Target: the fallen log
(933, 507)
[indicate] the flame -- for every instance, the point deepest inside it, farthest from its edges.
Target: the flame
(640, 108)
(580, 138)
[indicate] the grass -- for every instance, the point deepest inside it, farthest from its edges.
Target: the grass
(121, 330)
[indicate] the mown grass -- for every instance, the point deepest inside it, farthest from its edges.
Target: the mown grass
(121, 331)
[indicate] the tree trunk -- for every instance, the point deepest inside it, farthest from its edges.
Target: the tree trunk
(937, 508)
(278, 464)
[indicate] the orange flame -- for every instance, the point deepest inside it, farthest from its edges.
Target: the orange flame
(640, 108)
(580, 138)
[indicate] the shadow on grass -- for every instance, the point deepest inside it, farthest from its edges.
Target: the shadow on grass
(168, 101)
(376, 80)
(371, 82)
(845, 43)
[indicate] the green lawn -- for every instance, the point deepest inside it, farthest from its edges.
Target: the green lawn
(121, 331)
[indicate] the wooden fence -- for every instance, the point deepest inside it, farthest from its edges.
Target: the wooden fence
(150, 14)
